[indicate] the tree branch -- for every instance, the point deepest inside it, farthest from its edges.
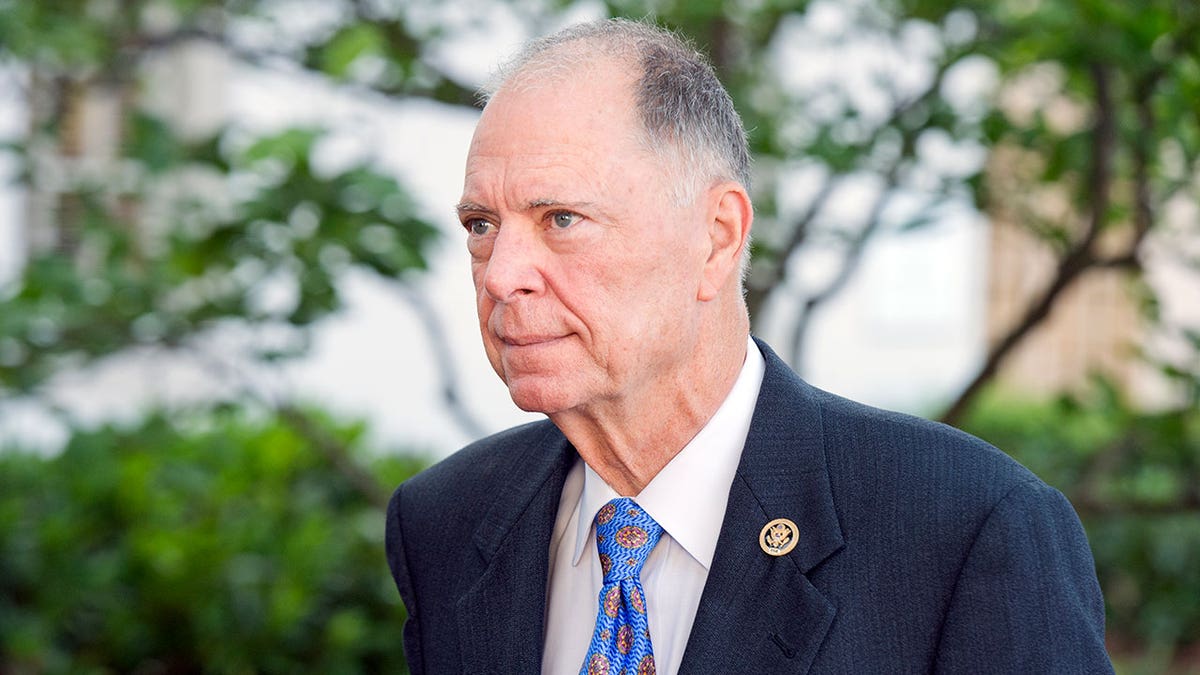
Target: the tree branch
(334, 451)
(756, 295)
(1123, 261)
(777, 273)
(444, 90)
(1076, 261)
(850, 263)
(1143, 212)
(445, 363)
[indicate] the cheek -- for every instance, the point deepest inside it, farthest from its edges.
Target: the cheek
(477, 272)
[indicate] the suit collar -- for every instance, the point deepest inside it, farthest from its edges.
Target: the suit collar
(760, 613)
(757, 613)
(545, 456)
(784, 465)
(500, 617)
(682, 497)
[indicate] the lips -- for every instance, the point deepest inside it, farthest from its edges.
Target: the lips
(527, 340)
(513, 330)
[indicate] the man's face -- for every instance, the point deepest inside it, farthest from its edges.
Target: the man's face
(586, 273)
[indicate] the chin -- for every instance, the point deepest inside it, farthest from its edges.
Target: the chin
(537, 394)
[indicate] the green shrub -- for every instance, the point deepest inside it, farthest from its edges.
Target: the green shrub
(223, 545)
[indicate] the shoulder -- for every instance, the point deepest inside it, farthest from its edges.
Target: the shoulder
(862, 441)
(946, 542)
(903, 483)
(918, 461)
(932, 512)
(886, 468)
(868, 449)
(450, 499)
(468, 479)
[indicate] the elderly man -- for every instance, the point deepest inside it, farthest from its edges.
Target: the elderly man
(691, 505)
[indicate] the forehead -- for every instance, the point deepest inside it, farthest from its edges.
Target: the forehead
(566, 126)
(590, 93)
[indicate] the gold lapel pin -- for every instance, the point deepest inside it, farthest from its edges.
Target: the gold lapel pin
(778, 537)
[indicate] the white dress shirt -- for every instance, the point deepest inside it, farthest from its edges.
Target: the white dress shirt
(687, 498)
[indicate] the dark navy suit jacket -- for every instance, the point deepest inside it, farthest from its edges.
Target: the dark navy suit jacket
(922, 549)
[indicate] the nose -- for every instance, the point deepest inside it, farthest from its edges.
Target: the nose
(513, 269)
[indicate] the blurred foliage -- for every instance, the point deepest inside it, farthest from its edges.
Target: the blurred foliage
(130, 551)
(1134, 478)
(173, 235)
(1073, 120)
(295, 230)
(904, 106)
(219, 543)
(1091, 102)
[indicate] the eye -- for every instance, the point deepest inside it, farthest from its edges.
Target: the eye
(477, 226)
(564, 219)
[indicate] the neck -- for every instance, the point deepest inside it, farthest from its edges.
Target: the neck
(627, 441)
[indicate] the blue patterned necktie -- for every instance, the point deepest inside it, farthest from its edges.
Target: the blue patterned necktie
(625, 535)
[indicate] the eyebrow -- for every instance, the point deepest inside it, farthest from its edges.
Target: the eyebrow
(543, 203)
(539, 203)
(472, 207)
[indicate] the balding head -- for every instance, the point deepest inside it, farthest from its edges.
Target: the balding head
(687, 117)
(599, 295)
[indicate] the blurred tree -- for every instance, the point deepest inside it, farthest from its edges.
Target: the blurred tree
(1093, 102)
(1096, 107)
(167, 547)
(163, 237)
(144, 234)
(229, 546)
(822, 135)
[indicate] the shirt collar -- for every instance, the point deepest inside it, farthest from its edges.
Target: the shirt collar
(688, 496)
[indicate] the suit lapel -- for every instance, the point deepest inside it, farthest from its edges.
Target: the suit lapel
(501, 616)
(759, 613)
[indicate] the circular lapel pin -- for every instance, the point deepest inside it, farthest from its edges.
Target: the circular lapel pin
(778, 537)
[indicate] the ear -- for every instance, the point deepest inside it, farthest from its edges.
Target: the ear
(729, 216)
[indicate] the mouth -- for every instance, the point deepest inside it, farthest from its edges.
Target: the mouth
(528, 340)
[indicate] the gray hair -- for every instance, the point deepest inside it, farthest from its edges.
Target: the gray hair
(687, 116)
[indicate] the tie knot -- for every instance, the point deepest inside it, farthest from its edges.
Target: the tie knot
(625, 535)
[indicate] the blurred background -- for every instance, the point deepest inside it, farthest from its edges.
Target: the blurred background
(235, 306)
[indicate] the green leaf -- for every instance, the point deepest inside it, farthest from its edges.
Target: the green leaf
(348, 45)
